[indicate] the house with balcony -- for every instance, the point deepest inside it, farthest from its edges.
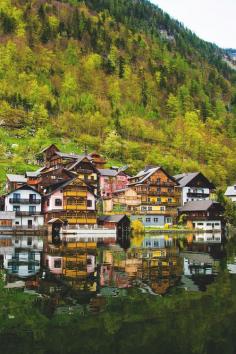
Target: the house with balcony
(7, 219)
(72, 201)
(26, 202)
(159, 197)
(204, 215)
(194, 186)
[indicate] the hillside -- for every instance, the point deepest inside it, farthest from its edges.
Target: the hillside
(118, 76)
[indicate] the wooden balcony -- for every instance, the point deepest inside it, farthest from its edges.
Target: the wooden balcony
(74, 220)
(74, 273)
(76, 207)
(75, 194)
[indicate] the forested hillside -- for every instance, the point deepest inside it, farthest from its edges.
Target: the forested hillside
(119, 76)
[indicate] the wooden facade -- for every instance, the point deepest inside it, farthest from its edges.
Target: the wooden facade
(158, 191)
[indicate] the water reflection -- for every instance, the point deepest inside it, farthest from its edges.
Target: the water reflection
(87, 272)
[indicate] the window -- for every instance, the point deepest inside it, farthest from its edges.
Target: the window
(16, 208)
(148, 244)
(169, 200)
(16, 197)
(155, 219)
(32, 209)
(58, 202)
(200, 223)
(209, 224)
(143, 208)
(158, 200)
(217, 224)
(29, 241)
(148, 219)
(162, 208)
(156, 243)
(89, 203)
(57, 263)
(92, 178)
(32, 197)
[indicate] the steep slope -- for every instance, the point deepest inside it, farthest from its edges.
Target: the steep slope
(119, 76)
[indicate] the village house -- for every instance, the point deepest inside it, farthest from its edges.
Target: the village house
(194, 186)
(112, 179)
(159, 197)
(72, 201)
(203, 214)
(26, 202)
(231, 193)
(14, 181)
(127, 200)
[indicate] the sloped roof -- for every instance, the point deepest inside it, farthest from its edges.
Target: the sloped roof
(25, 187)
(143, 175)
(231, 191)
(185, 178)
(34, 173)
(16, 178)
(198, 205)
(112, 218)
(108, 172)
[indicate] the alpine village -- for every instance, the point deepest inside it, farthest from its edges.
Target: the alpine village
(73, 195)
(117, 181)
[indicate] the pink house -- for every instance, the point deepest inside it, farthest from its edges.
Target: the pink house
(112, 179)
(54, 264)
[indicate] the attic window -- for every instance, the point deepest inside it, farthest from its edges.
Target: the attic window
(235, 187)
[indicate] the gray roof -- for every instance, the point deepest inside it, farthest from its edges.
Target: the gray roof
(34, 173)
(185, 178)
(108, 172)
(231, 191)
(143, 175)
(112, 218)
(7, 215)
(198, 205)
(16, 178)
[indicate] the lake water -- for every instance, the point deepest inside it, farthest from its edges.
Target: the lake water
(157, 294)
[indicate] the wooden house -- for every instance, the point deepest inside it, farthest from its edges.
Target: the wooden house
(72, 201)
(120, 222)
(203, 214)
(159, 196)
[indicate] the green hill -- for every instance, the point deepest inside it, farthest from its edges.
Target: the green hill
(119, 76)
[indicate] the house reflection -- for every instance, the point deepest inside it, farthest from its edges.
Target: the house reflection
(23, 258)
(154, 267)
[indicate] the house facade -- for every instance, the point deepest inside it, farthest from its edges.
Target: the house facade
(194, 186)
(231, 193)
(72, 202)
(26, 202)
(112, 180)
(203, 214)
(159, 197)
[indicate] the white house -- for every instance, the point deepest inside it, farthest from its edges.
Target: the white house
(26, 202)
(194, 186)
(231, 193)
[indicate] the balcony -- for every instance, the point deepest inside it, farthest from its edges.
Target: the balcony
(76, 207)
(197, 195)
(28, 213)
(24, 201)
(75, 193)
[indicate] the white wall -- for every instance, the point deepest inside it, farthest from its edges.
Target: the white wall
(208, 225)
(37, 220)
(185, 191)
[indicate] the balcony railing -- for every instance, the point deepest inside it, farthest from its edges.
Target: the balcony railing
(24, 201)
(28, 213)
(197, 195)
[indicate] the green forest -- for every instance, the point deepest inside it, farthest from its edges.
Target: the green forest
(118, 76)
